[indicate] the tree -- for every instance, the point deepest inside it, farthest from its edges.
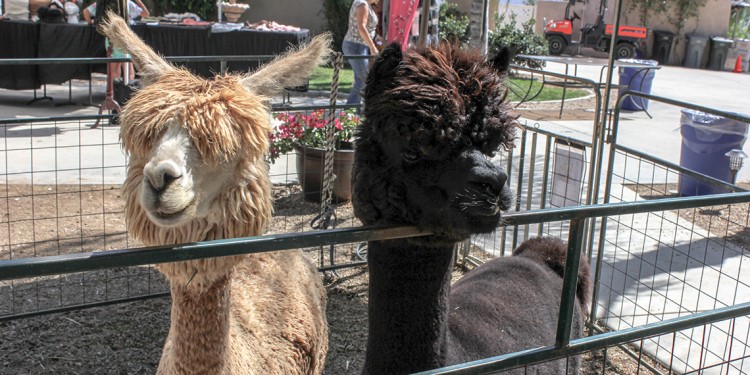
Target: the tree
(684, 10)
(647, 8)
(337, 19)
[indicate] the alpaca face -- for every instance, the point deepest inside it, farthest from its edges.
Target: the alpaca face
(178, 186)
(196, 170)
(433, 120)
(194, 144)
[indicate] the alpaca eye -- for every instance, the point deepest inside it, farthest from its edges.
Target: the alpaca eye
(409, 155)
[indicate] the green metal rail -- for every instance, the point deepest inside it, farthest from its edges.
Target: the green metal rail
(71, 263)
(53, 265)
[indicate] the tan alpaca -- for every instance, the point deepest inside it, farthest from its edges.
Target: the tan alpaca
(196, 172)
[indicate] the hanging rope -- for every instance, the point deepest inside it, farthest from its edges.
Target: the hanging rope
(327, 217)
(328, 175)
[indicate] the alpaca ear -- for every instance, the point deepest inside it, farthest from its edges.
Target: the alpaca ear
(149, 64)
(388, 59)
(502, 60)
(383, 69)
(290, 70)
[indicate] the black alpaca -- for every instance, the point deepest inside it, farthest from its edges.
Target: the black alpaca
(433, 119)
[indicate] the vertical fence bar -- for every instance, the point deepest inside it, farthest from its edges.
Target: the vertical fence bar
(570, 282)
(545, 179)
(519, 183)
(597, 153)
(465, 252)
(603, 221)
(509, 169)
(530, 185)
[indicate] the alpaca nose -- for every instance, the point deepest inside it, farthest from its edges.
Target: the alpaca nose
(160, 175)
(488, 178)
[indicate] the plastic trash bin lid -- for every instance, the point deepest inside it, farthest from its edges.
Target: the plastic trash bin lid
(721, 40)
(638, 61)
(697, 39)
(708, 123)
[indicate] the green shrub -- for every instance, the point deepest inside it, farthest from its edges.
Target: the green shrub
(739, 25)
(453, 25)
(523, 41)
(337, 19)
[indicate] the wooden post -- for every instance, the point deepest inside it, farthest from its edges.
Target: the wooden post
(423, 23)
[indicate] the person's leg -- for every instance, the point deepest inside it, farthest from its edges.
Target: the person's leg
(359, 67)
(117, 72)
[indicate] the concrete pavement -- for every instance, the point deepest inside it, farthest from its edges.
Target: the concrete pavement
(70, 152)
(660, 135)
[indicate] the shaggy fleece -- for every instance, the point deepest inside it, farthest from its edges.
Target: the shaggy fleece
(237, 314)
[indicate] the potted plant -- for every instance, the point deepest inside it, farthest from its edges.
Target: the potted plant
(233, 10)
(306, 134)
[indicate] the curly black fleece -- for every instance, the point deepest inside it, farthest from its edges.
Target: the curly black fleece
(444, 98)
(435, 103)
(432, 119)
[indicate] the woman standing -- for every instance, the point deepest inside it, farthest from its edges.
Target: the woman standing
(359, 41)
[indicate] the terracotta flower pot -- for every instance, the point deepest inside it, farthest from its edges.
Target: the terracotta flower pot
(310, 168)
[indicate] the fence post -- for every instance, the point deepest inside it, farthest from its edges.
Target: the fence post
(570, 281)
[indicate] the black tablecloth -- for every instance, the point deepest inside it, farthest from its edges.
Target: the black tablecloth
(176, 40)
(68, 40)
(18, 40)
(29, 40)
(253, 42)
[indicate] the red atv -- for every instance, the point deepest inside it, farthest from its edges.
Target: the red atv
(630, 39)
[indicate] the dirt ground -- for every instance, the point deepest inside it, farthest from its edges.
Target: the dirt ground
(127, 338)
(726, 221)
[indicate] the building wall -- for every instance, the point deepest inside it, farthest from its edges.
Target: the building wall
(713, 20)
(523, 13)
(548, 10)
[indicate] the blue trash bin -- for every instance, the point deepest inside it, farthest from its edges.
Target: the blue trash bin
(705, 141)
(637, 79)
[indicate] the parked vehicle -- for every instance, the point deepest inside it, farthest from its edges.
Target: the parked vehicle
(630, 39)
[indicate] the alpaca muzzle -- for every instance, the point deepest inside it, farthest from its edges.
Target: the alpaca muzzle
(159, 176)
(486, 182)
(162, 193)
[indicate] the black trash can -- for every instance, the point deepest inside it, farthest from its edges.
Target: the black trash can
(718, 54)
(696, 44)
(706, 139)
(662, 46)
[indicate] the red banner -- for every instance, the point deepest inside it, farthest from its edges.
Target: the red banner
(400, 18)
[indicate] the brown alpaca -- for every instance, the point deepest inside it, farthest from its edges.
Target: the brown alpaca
(196, 172)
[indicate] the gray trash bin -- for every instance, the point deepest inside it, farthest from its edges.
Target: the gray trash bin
(662, 46)
(694, 52)
(718, 54)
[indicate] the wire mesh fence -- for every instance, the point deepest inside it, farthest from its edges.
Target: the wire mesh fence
(546, 170)
(662, 265)
(62, 196)
(652, 266)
